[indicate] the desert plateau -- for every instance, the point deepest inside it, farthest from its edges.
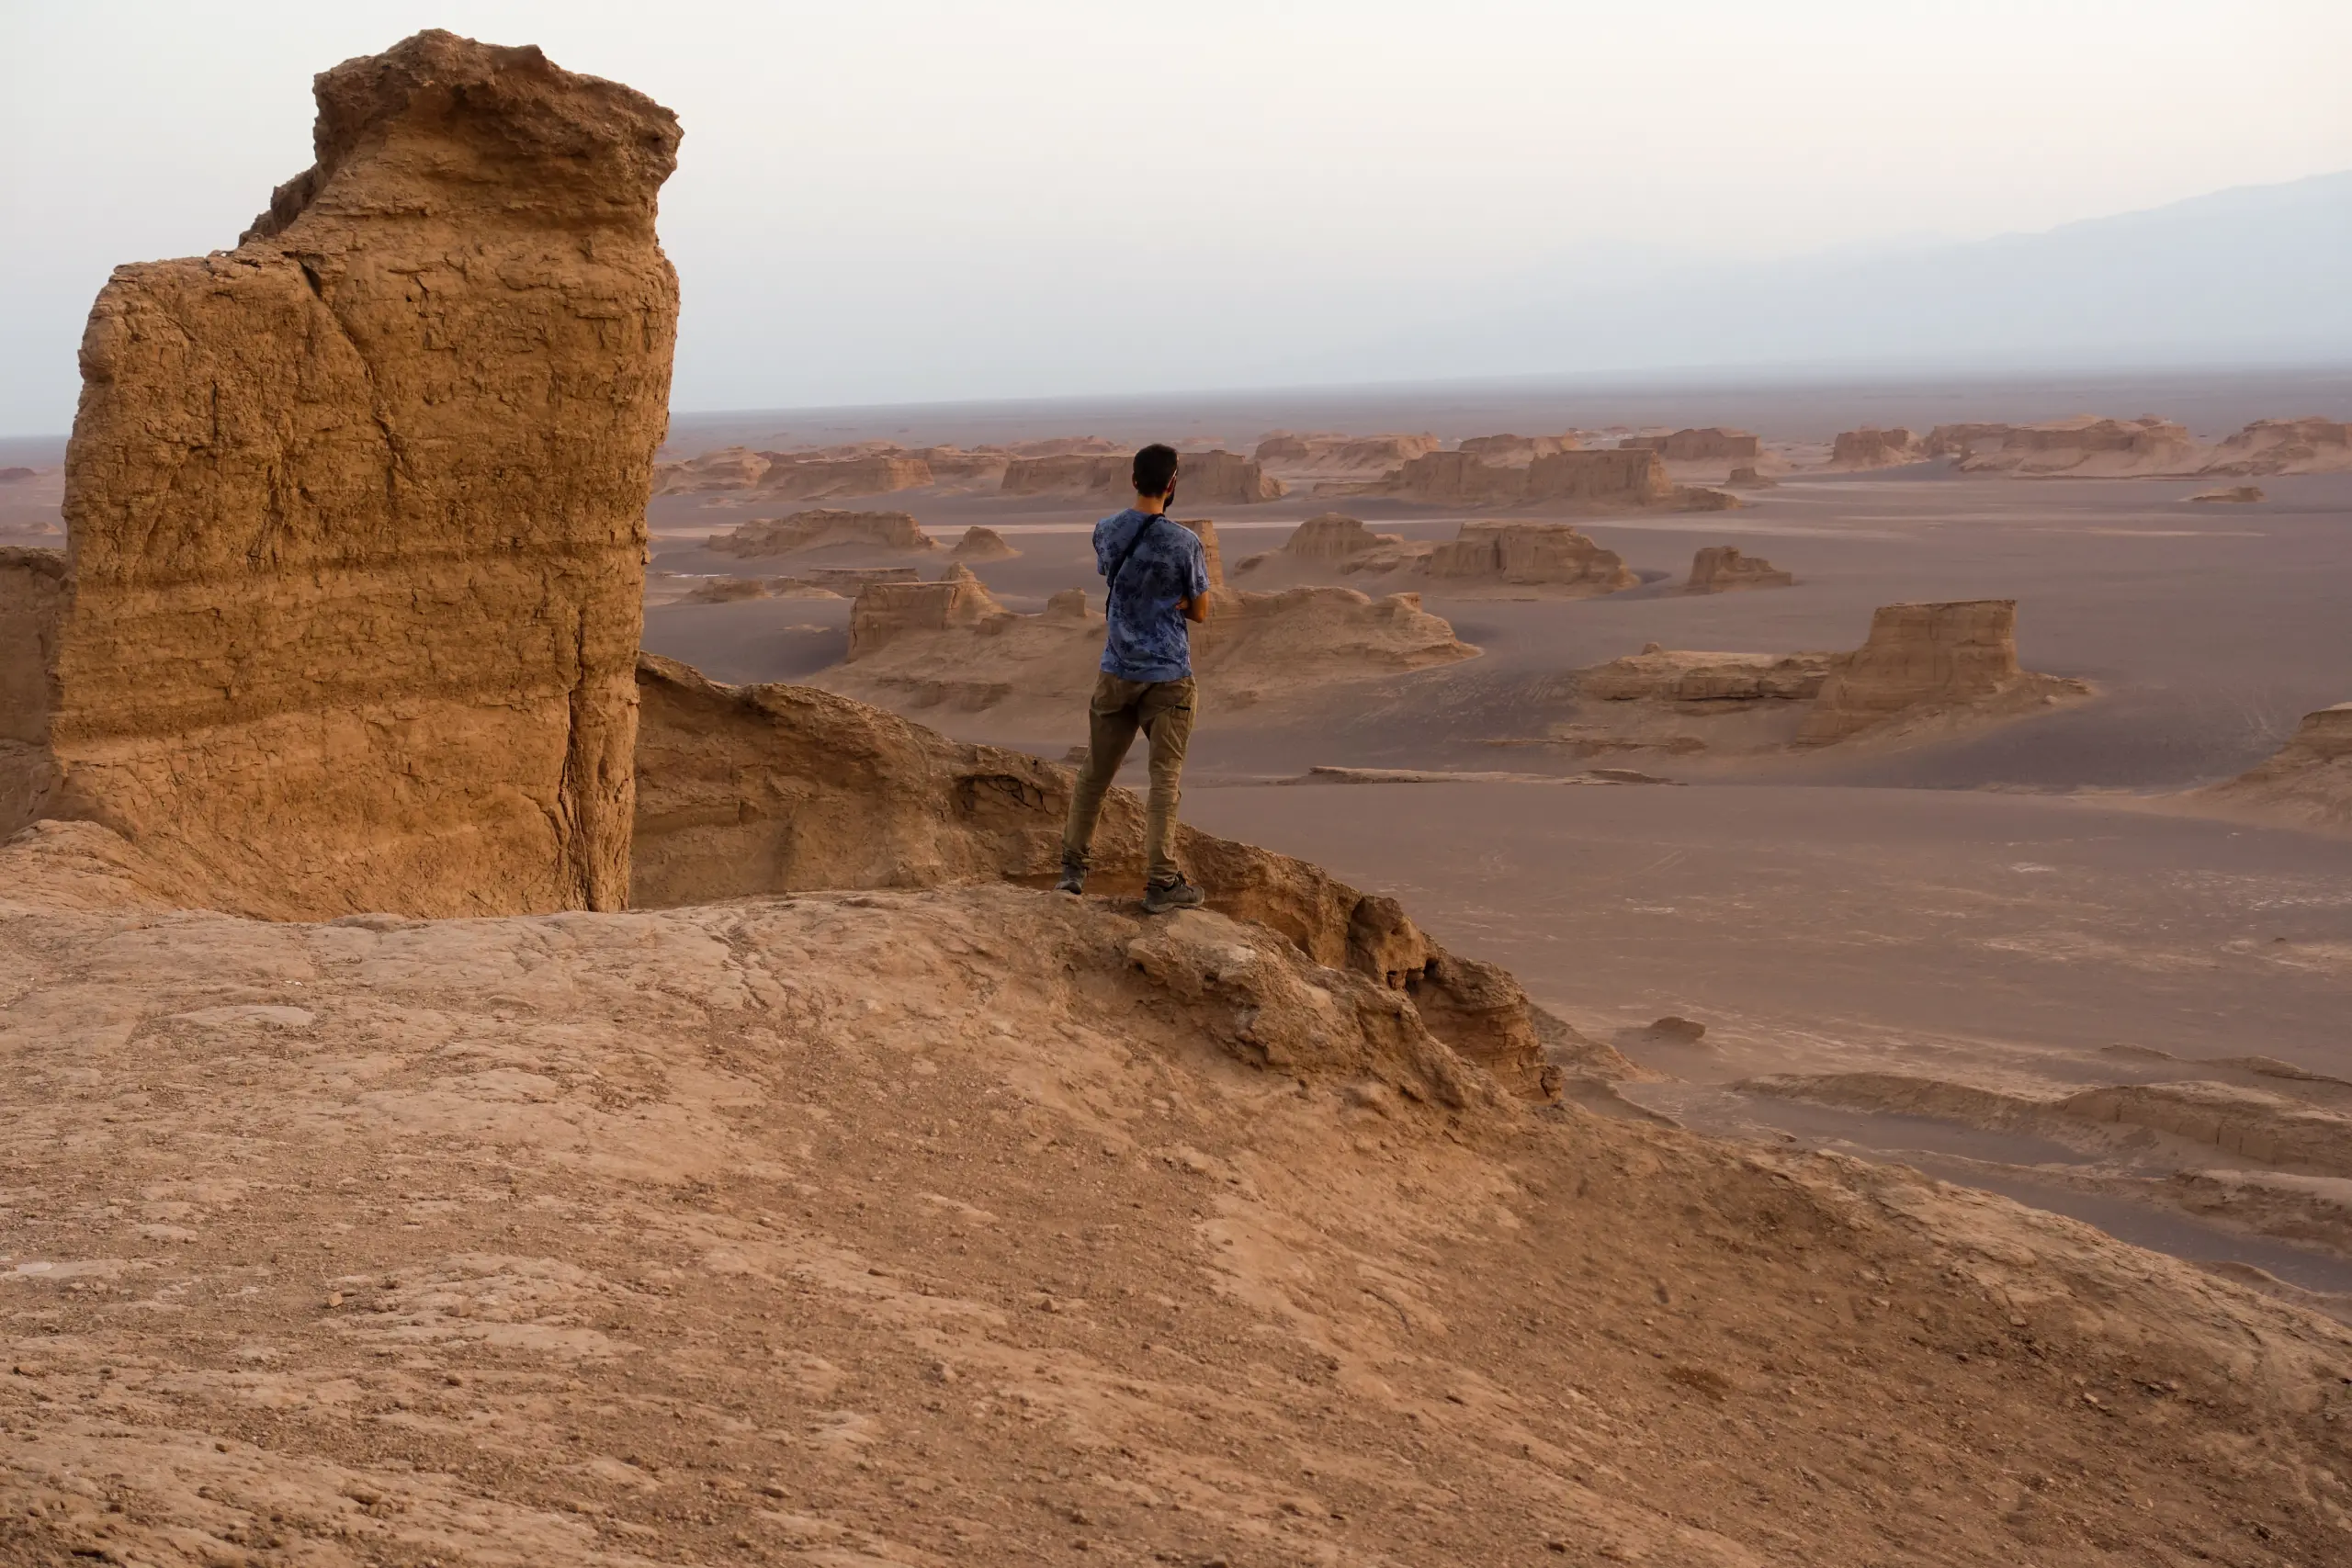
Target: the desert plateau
(1774, 985)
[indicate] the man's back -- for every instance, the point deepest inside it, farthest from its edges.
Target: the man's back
(1164, 566)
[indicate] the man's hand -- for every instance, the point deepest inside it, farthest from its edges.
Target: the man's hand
(1196, 608)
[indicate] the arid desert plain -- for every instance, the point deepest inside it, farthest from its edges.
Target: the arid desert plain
(1774, 989)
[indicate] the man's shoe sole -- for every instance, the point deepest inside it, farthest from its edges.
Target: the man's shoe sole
(1152, 906)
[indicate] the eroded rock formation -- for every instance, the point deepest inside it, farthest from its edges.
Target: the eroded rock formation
(2082, 447)
(887, 612)
(1079, 475)
(2236, 496)
(357, 509)
(1331, 538)
(1721, 569)
(1339, 457)
(1224, 478)
(981, 544)
(1681, 675)
(1870, 448)
(1597, 481)
(820, 478)
(2285, 446)
(1515, 451)
(1711, 444)
(730, 467)
(823, 528)
(1922, 661)
(1527, 555)
(780, 789)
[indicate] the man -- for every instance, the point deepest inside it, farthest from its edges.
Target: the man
(1156, 580)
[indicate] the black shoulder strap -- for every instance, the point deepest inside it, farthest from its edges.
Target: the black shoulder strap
(1111, 579)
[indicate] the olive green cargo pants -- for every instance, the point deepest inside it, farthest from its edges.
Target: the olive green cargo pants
(1163, 711)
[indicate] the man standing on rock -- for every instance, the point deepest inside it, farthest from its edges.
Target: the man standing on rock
(1156, 580)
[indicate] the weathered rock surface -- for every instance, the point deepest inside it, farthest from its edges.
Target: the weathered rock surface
(1721, 569)
(2285, 446)
(1515, 451)
(1551, 556)
(1332, 538)
(823, 528)
(730, 467)
(1339, 457)
(1711, 444)
(1923, 661)
(726, 590)
(2236, 496)
(1596, 480)
(2306, 783)
(357, 508)
(1681, 676)
(1224, 478)
(886, 612)
(1870, 448)
(1079, 475)
(1749, 478)
(792, 478)
(581, 1241)
(981, 544)
(2082, 447)
(1511, 559)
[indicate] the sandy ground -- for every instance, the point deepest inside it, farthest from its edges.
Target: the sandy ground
(977, 1227)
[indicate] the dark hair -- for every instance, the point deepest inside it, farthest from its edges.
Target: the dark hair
(1155, 469)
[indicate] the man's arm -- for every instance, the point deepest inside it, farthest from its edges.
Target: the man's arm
(1196, 608)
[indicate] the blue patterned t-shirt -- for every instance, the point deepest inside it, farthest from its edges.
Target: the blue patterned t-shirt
(1147, 639)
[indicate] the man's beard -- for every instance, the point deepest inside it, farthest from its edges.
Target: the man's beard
(1168, 502)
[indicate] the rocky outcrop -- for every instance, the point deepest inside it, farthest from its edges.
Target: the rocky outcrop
(1515, 451)
(1922, 661)
(1677, 675)
(1333, 537)
(17, 474)
(726, 590)
(32, 612)
(823, 528)
(356, 508)
(2285, 446)
(1597, 481)
(2236, 496)
(1078, 475)
(820, 478)
(981, 468)
(1339, 457)
(1721, 569)
(2306, 783)
(1224, 478)
(981, 544)
(1870, 448)
(1212, 551)
(730, 467)
(887, 612)
(1749, 478)
(2082, 447)
(1711, 444)
(1547, 555)
(1605, 479)
(780, 789)
(1452, 477)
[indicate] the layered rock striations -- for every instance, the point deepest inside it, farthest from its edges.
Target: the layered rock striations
(822, 479)
(1212, 478)
(823, 528)
(1722, 568)
(1597, 481)
(1339, 457)
(356, 508)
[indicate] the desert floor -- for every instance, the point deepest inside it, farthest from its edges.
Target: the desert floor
(1997, 908)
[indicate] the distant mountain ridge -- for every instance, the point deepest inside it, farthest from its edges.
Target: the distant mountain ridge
(2253, 273)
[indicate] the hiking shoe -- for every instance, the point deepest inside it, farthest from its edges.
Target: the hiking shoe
(1073, 880)
(1163, 896)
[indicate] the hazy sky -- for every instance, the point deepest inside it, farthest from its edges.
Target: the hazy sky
(891, 200)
